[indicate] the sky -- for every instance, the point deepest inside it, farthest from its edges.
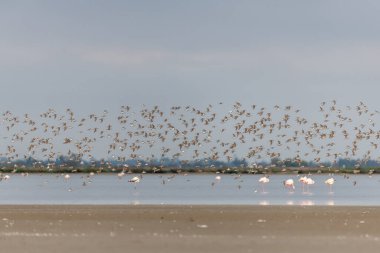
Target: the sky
(98, 55)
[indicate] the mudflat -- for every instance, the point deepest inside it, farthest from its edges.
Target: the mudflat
(184, 228)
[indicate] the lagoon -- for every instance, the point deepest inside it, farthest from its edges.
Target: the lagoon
(191, 189)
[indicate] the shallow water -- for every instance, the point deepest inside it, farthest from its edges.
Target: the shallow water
(187, 189)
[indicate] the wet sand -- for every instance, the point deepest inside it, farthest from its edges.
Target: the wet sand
(189, 229)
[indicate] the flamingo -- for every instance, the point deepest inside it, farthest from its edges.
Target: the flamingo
(303, 181)
(308, 182)
(5, 177)
(121, 174)
(263, 181)
(289, 183)
(330, 182)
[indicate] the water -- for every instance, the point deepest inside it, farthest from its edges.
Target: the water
(187, 189)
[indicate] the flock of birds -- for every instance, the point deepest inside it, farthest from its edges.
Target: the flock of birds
(186, 133)
(304, 180)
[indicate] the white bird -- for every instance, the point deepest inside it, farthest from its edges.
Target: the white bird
(289, 183)
(330, 182)
(309, 182)
(134, 180)
(66, 177)
(263, 181)
(217, 180)
(121, 174)
(303, 181)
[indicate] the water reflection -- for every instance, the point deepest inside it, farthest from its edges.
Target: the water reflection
(307, 203)
(192, 189)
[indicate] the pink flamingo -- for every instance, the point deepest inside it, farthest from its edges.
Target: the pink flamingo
(289, 183)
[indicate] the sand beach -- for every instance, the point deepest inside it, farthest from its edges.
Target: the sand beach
(141, 228)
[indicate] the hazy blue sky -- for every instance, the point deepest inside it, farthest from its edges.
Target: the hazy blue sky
(103, 54)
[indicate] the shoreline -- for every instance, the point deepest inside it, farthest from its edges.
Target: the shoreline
(188, 228)
(290, 172)
(191, 171)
